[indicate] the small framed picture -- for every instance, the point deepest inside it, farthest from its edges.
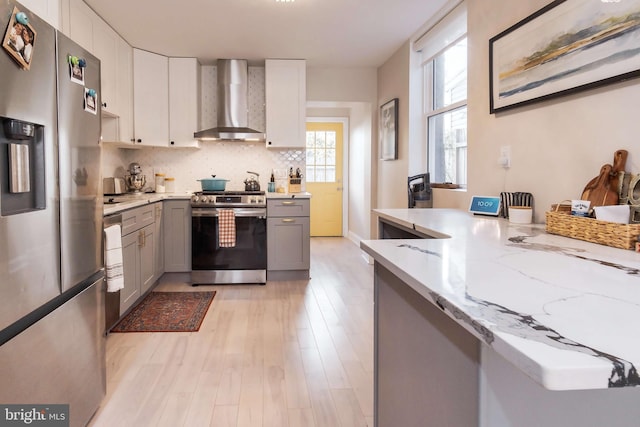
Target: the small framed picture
(389, 130)
(20, 39)
(90, 101)
(77, 73)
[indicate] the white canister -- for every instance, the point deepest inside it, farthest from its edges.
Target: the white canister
(170, 184)
(160, 186)
(520, 214)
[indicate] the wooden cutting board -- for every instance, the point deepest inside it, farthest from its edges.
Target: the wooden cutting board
(600, 193)
(619, 164)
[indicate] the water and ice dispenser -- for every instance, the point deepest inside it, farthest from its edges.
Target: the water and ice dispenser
(22, 181)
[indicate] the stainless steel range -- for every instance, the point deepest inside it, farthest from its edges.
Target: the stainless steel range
(228, 255)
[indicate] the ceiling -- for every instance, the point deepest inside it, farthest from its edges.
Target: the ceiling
(327, 33)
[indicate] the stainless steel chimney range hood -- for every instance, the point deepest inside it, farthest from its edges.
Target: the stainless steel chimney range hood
(232, 114)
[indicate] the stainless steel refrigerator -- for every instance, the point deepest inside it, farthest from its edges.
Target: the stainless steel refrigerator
(52, 343)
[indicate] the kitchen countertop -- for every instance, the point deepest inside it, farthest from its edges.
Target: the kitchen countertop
(303, 195)
(563, 311)
(129, 201)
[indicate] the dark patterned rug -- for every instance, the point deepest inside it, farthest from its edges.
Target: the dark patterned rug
(167, 312)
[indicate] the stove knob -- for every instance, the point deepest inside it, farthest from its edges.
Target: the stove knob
(205, 199)
(195, 199)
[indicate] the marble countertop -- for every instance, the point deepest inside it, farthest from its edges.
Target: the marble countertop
(564, 311)
(129, 201)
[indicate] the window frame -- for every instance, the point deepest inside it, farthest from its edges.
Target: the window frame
(428, 77)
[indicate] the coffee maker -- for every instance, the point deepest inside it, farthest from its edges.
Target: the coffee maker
(420, 195)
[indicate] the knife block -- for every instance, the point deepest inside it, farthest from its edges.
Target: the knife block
(295, 185)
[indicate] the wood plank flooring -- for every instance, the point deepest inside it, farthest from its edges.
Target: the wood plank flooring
(286, 354)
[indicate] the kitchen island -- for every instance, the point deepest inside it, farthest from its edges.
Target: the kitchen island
(494, 324)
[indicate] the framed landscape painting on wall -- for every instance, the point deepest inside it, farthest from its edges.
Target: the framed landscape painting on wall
(563, 48)
(389, 130)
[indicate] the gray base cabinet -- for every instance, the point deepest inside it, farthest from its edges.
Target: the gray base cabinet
(138, 248)
(411, 332)
(158, 242)
(177, 236)
(288, 239)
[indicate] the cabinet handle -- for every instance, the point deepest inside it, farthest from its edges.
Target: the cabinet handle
(288, 203)
(104, 105)
(133, 140)
(139, 140)
(288, 220)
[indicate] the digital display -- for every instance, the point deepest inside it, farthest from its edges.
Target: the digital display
(484, 205)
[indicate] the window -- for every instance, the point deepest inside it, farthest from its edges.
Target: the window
(443, 52)
(446, 114)
(321, 156)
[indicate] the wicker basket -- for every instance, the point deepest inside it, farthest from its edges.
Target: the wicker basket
(592, 230)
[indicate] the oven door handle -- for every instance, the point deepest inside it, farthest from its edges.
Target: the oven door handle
(239, 212)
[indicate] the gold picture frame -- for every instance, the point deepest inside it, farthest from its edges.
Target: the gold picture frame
(20, 39)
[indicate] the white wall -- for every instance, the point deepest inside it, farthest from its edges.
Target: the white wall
(350, 93)
(557, 146)
(393, 82)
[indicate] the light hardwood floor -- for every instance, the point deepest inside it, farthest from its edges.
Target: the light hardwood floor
(296, 353)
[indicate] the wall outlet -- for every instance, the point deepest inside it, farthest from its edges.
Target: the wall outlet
(505, 156)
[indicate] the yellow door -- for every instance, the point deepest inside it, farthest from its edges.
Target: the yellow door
(324, 177)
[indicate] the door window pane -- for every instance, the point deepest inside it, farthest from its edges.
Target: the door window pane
(321, 156)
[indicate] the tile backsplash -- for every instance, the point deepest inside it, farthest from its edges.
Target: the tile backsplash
(225, 159)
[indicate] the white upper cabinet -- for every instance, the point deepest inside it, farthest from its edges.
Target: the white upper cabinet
(124, 91)
(150, 98)
(90, 31)
(184, 101)
(105, 47)
(285, 98)
(49, 10)
(81, 19)
(166, 100)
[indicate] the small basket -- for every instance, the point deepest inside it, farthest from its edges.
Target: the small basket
(622, 236)
(295, 185)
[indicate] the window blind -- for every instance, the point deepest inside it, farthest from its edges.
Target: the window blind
(443, 33)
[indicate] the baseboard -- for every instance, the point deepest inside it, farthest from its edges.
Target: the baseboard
(356, 240)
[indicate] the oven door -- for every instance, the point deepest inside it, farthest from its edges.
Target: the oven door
(246, 262)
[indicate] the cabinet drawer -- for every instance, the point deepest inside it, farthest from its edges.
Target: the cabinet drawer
(287, 207)
(135, 219)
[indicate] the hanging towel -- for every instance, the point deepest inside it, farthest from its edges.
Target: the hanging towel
(227, 228)
(113, 258)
